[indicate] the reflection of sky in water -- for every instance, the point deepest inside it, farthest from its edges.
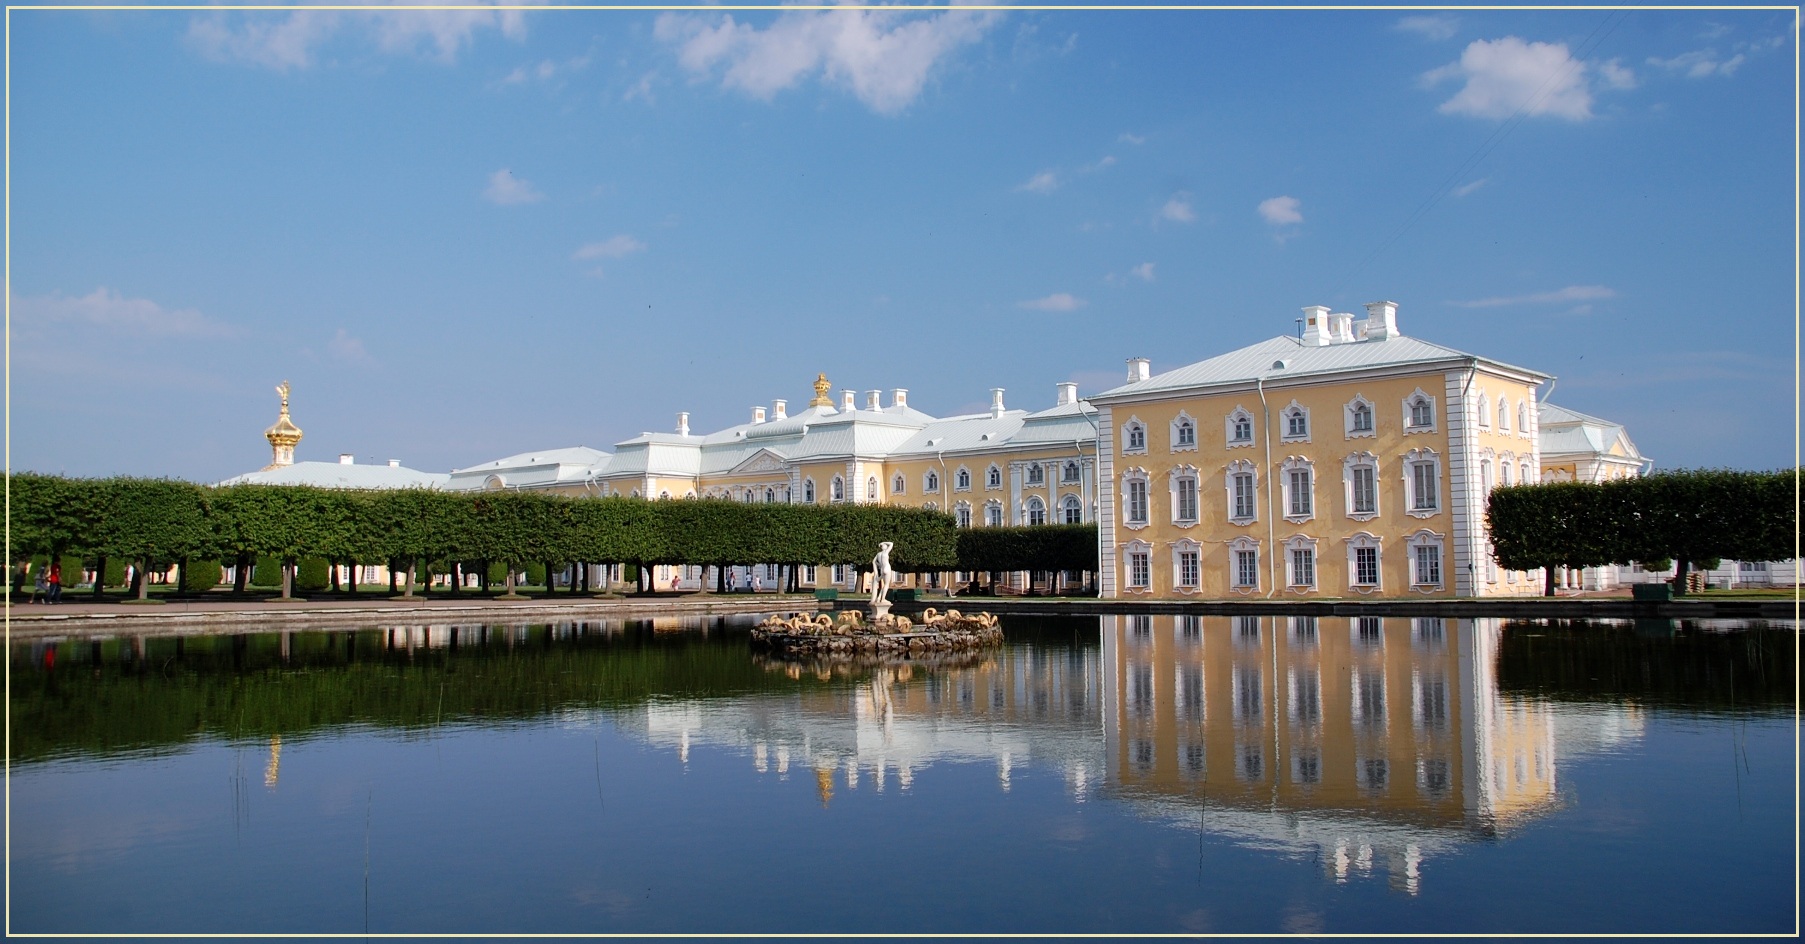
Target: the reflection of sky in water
(1154, 774)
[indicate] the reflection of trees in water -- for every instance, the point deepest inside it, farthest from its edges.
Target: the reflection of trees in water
(1659, 664)
(133, 693)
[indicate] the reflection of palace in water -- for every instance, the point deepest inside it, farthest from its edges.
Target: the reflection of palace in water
(1370, 744)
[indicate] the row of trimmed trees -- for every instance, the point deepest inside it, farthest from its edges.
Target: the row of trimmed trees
(1687, 517)
(158, 522)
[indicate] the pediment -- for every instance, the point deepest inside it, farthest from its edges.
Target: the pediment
(763, 460)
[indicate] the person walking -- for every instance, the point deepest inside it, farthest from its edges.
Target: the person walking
(40, 588)
(56, 581)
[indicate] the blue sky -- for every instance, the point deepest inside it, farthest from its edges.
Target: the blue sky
(463, 235)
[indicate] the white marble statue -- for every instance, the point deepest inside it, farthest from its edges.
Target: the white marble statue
(881, 574)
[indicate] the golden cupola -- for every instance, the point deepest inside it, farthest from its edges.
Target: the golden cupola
(821, 388)
(282, 435)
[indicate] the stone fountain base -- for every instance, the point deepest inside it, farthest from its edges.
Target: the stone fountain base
(852, 633)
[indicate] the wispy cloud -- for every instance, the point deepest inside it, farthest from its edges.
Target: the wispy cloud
(641, 90)
(612, 248)
(1572, 293)
(1701, 63)
(1044, 182)
(1178, 209)
(109, 310)
(1505, 76)
(1281, 211)
(1127, 138)
(505, 189)
(546, 70)
(294, 41)
(1058, 301)
(1435, 27)
(347, 349)
(883, 57)
(1144, 272)
(1468, 188)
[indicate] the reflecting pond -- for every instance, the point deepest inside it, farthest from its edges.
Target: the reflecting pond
(1095, 774)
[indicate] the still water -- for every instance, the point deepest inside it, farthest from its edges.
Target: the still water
(1113, 774)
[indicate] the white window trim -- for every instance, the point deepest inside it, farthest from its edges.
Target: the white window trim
(1298, 542)
(1185, 472)
(996, 505)
(1285, 434)
(808, 490)
(1069, 502)
(838, 485)
(962, 509)
(1228, 491)
(1485, 410)
(962, 474)
(899, 484)
(1035, 475)
(1131, 475)
(1028, 510)
(1503, 414)
(1128, 450)
(930, 482)
(994, 471)
(871, 489)
(1434, 413)
(1181, 546)
(1243, 543)
(1348, 465)
(1077, 470)
(1347, 419)
(1362, 539)
(1292, 464)
(1128, 551)
(1523, 423)
(1425, 538)
(1179, 420)
(1412, 459)
(1228, 429)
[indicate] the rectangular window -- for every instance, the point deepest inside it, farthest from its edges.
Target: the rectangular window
(1187, 499)
(1139, 573)
(840, 571)
(1423, 479)
(1366, 497)
(1428, 563)
(1300, 492)
(1137, 501)
(1366, 566)
(1247, 568)
(1243, 482)
(1187, 569)
(1303, 567)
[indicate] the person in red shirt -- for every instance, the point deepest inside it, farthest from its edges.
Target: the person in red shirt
(56, 582)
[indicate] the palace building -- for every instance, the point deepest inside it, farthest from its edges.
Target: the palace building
(1350, 460)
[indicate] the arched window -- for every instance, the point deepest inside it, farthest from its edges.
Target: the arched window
(1239, 427)
(962, 514)
(1072, 473)
(1184, 433)
(993, 477)
(838, 489)
(1359, 418)
(993, 514)
(1419, 412)
(962, 479)
(931, 481)
(897, 484)
(1036, 475)
(808, 491)
(1297, 423)
(1485, 411)
(871, 489)
(770, 496)
(664, 496)
(1523, 418)
(1073, 510)
(1134, 436)
(1503, 415)
(1037, 511)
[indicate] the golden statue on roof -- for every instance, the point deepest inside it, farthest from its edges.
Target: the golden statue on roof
(821, 388)
(282, 435)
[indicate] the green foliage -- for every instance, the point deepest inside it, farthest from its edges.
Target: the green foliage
(312, 575)
(498, 572)
(267, 572)
(115, 573)
(535, 575)
(200, 575)
(1036, 547)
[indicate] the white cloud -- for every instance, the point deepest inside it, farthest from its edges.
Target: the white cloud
(1615, 75)
(1058, 301)
(1700, 64)
(1106, 160)
(505, 189)
(1044, 182)
(1144, 272)
(611, 248)
(1281, 211)
(106, 309)
(293, 41)
(1572, 293)
(1435, 27)
(1127, 138)
(1178, 209)
(545, 71)
(1505, 76)
(641, 89)
(1465, 189)
(348, 349)
(883, 57)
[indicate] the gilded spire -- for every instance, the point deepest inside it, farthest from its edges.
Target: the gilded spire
(821, 388)
(283, 435)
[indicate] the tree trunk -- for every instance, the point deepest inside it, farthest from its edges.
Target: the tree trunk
(720, 579)
(100, 576)
(482, 582)
(409, 592)
(1682, 566)
(288, 579)
(456, 575)
(333, 566)
(352, 572)
(241, 572)
(392, 569)
(1548, 580)
(583, 575)
(508, 581)
(144, 579)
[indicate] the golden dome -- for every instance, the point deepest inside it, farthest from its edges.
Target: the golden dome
(283, 434)
(821, 388)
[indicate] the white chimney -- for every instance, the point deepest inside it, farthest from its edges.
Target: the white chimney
(899, 397)
(1068, 393)
(996, 401)
(874, 400)
(345, 458)
(1139, 368)
(1382, 321)
(1316, 326)
(758, 414)
(394, 463)
(1341, 327)
(683, 424)
(846, 398)
(780, 409)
